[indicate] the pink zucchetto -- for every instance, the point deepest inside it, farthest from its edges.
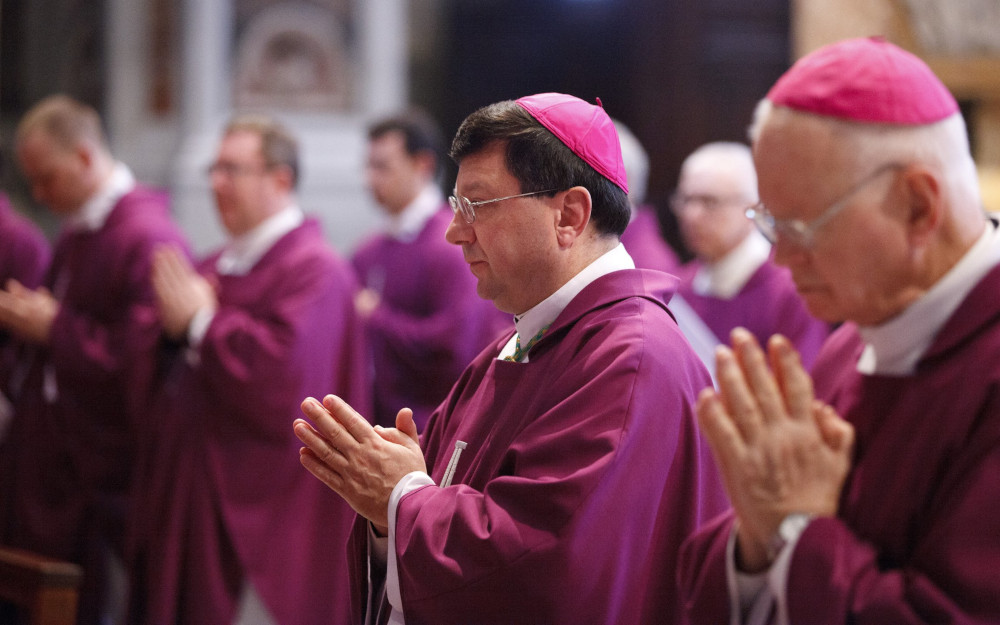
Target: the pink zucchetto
(865, 80)
(585, 129)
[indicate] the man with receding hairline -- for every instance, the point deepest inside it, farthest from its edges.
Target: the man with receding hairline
(226, 527)
(91, 331)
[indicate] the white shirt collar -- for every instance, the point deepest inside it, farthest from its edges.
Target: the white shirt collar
(408, 224)
(243, 252)
(95, 211)
(545, 312)
(726, 277)
(895, 347)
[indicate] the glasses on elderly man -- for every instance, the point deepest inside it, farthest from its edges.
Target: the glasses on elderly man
(799, 232)
(462, 205)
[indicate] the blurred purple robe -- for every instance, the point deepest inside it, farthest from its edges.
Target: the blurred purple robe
(584, 472)
(25, 252)
(24, 256)
(430, 323)
(917, 535)
(767, 304)
(66, 462)
(646, 245)
(220, 495)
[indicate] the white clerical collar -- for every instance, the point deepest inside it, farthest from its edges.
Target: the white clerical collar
(95, 211)
(408, 224)
(726, 277)
(895, 347)
(545, 312)
(243, 252)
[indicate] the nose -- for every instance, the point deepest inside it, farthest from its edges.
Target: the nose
(787, 253)
(459, 231)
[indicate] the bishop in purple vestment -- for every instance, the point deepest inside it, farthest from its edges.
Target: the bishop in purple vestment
(867, 494)
(732, 281)
(223, 516)
(557, 480)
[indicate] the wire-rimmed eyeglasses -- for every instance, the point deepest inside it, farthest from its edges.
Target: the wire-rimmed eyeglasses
(462, 205)
(799, 232)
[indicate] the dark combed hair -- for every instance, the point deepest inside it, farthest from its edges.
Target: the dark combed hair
(540, 161)
(420, 133)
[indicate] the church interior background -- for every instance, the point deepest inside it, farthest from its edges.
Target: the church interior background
(166, 74)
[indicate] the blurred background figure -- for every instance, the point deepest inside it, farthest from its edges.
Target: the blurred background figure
(24, 257)
(425, 321)
(89, 333)
(227, 527)
(643, 238)
(732, 281)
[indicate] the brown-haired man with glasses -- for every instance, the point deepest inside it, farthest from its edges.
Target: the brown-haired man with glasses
(226, 529)
(557, 480)
(732, 281)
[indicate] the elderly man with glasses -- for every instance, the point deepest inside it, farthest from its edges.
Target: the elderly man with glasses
(732, 281)
(868, 492)
(558, 479)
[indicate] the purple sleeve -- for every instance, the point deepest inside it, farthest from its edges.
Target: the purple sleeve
(702, 573)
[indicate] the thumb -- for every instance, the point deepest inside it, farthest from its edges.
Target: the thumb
(836, 432)
(406, 425)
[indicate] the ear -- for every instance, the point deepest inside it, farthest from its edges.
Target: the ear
(923, 202)
(574, 215)
(426, 162)
(283, 176)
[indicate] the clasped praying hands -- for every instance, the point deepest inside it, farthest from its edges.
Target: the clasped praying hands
(779, 449)
(28, 313)
(359, 462)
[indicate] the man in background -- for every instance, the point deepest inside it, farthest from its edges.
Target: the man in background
(89, 333)
(226, 528)
(732, 282)
(424, 321)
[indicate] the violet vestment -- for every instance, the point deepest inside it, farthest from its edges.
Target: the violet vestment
(68, 456)
(584, 471)
(917, 535)
(767, 304)
(646, 245)
(430, 323)
(221, 498)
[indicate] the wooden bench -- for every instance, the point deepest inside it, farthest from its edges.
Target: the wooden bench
(44, 590)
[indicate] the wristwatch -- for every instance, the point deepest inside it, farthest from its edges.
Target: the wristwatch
(790, 528)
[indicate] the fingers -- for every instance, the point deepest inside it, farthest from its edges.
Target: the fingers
(837, 433)
(734, 393)
(720, 431)
(794, 382)
(406, 425)
(762, 385)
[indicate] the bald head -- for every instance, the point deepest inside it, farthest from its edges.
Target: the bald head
(716, 185)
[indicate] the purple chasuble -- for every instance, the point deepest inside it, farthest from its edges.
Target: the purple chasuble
(766, 305)
(67, 459)
(430, 323)
(584, 472)
(917, 535)
(646, 245)
(24, 256)
(221, 496)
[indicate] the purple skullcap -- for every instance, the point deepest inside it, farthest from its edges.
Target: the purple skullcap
(865, 80)
(585, 129)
